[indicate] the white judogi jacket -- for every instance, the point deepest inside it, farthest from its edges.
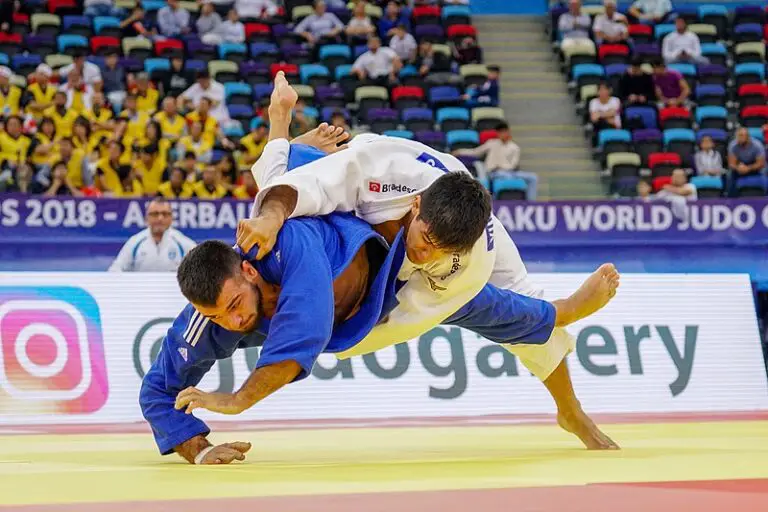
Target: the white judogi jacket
(377, 177)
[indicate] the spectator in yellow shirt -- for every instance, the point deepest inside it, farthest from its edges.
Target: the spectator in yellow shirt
(82, 139)
(248, 187)
(79, 94)
(14, 145)
(61, 182)
(10, 95)
(172, 124)
(177, 187)
(202, 115)
(151, 168)
(77, 164)
(253, 145)
(130, 186)
(197, 144)
(146, 95)
(188, 164)
(209, 187)
(62, 117)
(39, 95)
(153, 135)
(137, 120)
(107, 169)
(42, 151)
(100, 117)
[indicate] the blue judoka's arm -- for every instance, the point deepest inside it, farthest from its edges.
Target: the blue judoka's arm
(171, 373)
(504, 316)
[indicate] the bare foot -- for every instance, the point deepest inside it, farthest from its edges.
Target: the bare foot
(284, 97)
(582, 426)
(593, 295)
(326, 138)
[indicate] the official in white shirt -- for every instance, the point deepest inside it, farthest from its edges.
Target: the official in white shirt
(159, 248)
(378, 65)
(682, 45)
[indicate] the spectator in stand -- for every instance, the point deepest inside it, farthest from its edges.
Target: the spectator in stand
(78, 170)
(574, 25)
(137, 119)
(252, 145)
(651, 10)
(196, 144)
(107, 179)
(644, 190)
(359, 26)
(467, 51)
(248, 187)
(79, 94)
(158, 248)
(41, 151)
(255, 9)
(605, 110)
(709, 161)
(636, 86)
(487, 95)
(682, 45)
(231, 31)
(39, 94)
(671, 88)
(61, 184)
(610, 27)
(20, 181)
(10, 95)
(177, 186)
(320, 26)
(205, 87)
(172, 124)
(209, 187)
(129, 185)
(114, 79)
(62, 117)
(746, 157)
(403, 44)
(137, 25)
(172, 20)
(14, 145)
(146, 95)
(177, 80)
(88, 71)
(150, 168)
(101, 116)
(502, 157)
(678, 187)
(102, 8)
(302, 122)
(202, 115)
(393, 16)
(377, 66)
(209, 20)
(425, 60)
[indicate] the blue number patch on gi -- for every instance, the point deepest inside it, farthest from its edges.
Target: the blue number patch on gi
(489, 235)
(431, 160)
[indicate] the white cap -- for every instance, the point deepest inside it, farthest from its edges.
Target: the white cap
(44, 69)
(6, 72)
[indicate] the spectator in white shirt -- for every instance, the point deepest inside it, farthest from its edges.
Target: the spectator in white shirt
(74, 86)
(102, 8)
(89, 72)
(359, 26)
(610, 27)
(404, 44)
(502, 156)
(682, 45)
(679, 187)
(377, 66)
(208, 88)
(231, 31)
(172, 20)
(574, 25)
(652, 10)
(708, 161)
(255, 9)
(320, 25)
(604, 111)
(209, 20)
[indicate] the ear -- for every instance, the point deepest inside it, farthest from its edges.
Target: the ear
(249, 271)
(416, 206)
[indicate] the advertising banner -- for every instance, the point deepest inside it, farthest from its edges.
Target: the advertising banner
(74, 347)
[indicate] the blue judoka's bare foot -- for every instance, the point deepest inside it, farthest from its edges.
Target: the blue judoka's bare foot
(593, 295)
(328, 139)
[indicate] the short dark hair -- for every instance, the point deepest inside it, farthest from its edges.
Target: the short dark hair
(204, 270)
(502, 126)
(495, 69)
(456, 209)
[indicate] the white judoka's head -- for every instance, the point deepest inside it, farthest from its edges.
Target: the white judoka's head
(447, 218)
(221, 286)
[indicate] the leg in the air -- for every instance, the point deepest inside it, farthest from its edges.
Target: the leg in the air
(592, 295)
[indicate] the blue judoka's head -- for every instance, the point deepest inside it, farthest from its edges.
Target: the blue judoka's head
(223, 287)
(448, 217)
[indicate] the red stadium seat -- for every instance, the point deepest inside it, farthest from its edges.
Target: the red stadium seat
(6, 38)
(167, 47)
(257, 32)
(487, 135)
(656, 159)
(644, 31)
(20, 18)
(290, 70)
(659, 182)
(753, 90)
(426, 14)
(755, 116)
(613, 53)
(102, 44)
(675, 117)
(62, 6)
(458, 31)
(407, 92)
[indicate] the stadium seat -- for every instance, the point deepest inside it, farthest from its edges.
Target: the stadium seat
(623, 165)
(238, 93)
(101, 45)
(234, 131)
(749, 73)
(401, 134)
(647, 52)
(581, 52)
(57, 60)
(674, 117)
(647, 142)
(753, 94)
(233, 52)
(39, 44)
(707, 186)
(155, 67)
(509, 189)
(425, 15)
(757, 133)
(334, 55)
(641, 34)
(707, 33)
(305, 92)
(485, 182)
(382, 119)
(662, 164)
(614, 141)
(444, 96)
(330, 96)
(462, 139)
(716, 15)
(370, 96)
(658, 182)
(20, 24)
(713, 74)
(712, 117)
(453, 118)
(457, 32)
(456, 15)
(224, 71)
(194, 65)
(255, 72)
(487, 135)
(585, 94)
(261, 91)
(347, 80)
(751, 186)
(406, 97)
(62, 7)
(257, 32)
(418, 119)
(290, 70)
(77, 25)
(69, 44)
(750, 52)
(748, 14)
(435, 140)
(25, 64)
(755, 116)
(45, 24)
(474, 74)
(682, 142)
(587, 74)
(314, 74)
(487, 118)
(720, 137)
(10, 43)
(137, 47)
(430, 33)
(748, 33)
(690, 13)
(328, 112)
(662, 30)
(296, 54)
(374, 12)
(647, 115)
(107, 26)
(242, 113)
(715, 52)
(710, 96)
(613, 54)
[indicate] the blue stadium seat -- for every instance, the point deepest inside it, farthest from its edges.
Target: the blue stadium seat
(417, 119)
(261, 91)
(359, 50)
(228, 50)
(461, 139)
(716, 135)
(606, 136)
(646, 114)
(715, 52)
(151, 65)
(255, 123)
(581, 70)
(401, 134)
(710, 10)
(757, 133)
(311, 111)
(710, 95)
(679, 134)
(342, 71)
(234, 131)
(509, 188)
(748, 32)
(70, 22)
(238, 93)
(307, 71)
(453, 118)
(460, 12)
(24, 62)
(617, 69)
(69, 42)
(444, 95)
(153, 5)
(103, 22)
(334, 55)
(195, 65)
(708, 186)
(328, 112)
(751, 186)
(485, 182)
(242, 113)
(749, 72)
(687, 70)
(662, 30)
(4, 60)
(712, 117)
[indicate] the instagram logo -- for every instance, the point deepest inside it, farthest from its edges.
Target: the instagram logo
(51, 350)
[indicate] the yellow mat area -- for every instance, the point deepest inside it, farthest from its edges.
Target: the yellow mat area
(40, 469)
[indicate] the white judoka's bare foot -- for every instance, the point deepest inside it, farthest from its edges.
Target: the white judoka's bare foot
(579, 424)
(325, 137)
(284, 97)
(593, 295)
